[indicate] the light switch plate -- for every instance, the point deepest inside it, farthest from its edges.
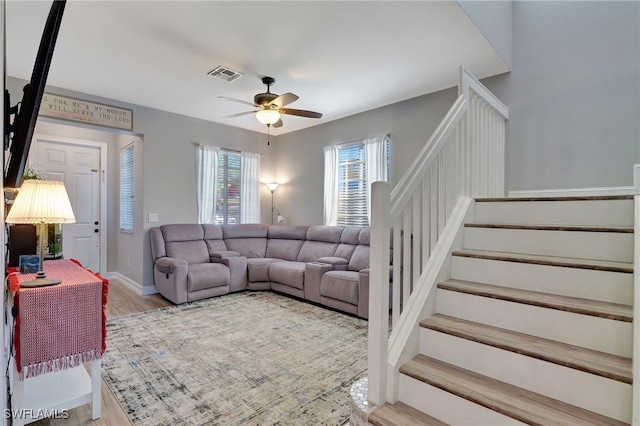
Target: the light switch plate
(153, 217)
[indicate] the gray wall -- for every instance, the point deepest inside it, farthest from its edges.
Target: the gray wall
(494, 19)
(573, 94)
(300, 159)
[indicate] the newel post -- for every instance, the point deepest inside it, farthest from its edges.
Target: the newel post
(379, 292)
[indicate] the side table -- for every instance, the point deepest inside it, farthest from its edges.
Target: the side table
(57, 330)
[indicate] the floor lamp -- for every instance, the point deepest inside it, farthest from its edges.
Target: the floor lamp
(272, 187)
(40, 202)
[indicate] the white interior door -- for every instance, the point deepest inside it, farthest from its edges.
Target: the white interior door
(78, 166)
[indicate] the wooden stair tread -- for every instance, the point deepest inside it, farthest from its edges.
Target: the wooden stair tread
(613, 311)
(567, 262)
(575, 198)
(512, 401)
(565, 228)
(400, 414)
(583, 359)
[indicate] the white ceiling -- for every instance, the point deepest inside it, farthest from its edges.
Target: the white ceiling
(341, 58)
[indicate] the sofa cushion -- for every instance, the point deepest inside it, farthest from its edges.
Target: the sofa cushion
(215, 246)
(258, 268)
(182, 232)
(284, 242)
(248, 247)
(350, 235)
(348, 241)
(359, 259)
(287, 232)
(244, 230)
(288, 273)
(312, 250)
(328, 234)
(212, 232)
(365, 236)
(321, 241)
(192, 251)
(249, 239)
(213, 238)
(340, 285)
(207, 275)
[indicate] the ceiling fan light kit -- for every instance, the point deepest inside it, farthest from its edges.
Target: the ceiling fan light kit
(268, 116)
(271, 106)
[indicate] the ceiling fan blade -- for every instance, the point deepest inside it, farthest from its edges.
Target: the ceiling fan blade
(277, 123)
(284, 99)
(300, 112)
(240, 114)
(238, 100)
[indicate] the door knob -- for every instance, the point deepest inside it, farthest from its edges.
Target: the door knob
(96, 230)
(95, 223)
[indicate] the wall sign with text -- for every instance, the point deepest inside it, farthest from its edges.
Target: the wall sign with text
(66, 108)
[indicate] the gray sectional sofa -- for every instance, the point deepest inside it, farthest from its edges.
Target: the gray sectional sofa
(327, 265)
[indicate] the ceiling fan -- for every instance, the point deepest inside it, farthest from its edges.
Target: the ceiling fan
(271, 106)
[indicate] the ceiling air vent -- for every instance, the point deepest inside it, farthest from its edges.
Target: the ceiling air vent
(225, 74)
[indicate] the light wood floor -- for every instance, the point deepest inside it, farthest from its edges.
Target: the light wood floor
(121, 301)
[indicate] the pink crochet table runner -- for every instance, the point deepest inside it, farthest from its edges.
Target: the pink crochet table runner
(60, 326)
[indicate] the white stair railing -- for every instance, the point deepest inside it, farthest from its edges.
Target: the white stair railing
(463, 158)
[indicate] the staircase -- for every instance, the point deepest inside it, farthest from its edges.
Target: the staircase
(534, 325)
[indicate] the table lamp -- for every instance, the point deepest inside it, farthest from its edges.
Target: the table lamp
(40, 202)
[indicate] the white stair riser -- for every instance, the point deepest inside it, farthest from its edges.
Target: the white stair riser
(592, 212)
(448, 407)
(590, 332)
(614, 287)
(589, 391)
(612, 246)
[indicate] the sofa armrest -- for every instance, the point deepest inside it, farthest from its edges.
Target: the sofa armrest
(312, 275)
(237, 270)
(169, 265)
(170, 278)
(363, 294)
(338, 263)
(223, 255)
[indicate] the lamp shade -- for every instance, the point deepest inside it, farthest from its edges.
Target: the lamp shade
(268, 116)
(41, 201)
(272, 186)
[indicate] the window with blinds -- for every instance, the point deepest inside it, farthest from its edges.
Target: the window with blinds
(126, 188)
(228, 190)
(352, 186)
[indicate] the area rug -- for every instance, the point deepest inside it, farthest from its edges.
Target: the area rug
(252, 358)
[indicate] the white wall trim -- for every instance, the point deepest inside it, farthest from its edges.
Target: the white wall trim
(137, 287)
(584, 192)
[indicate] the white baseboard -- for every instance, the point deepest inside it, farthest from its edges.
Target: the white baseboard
(137, 287)
(584, 192)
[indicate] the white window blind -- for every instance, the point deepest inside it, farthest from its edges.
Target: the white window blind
(352, 186)
(228, 191)
(126, 188)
